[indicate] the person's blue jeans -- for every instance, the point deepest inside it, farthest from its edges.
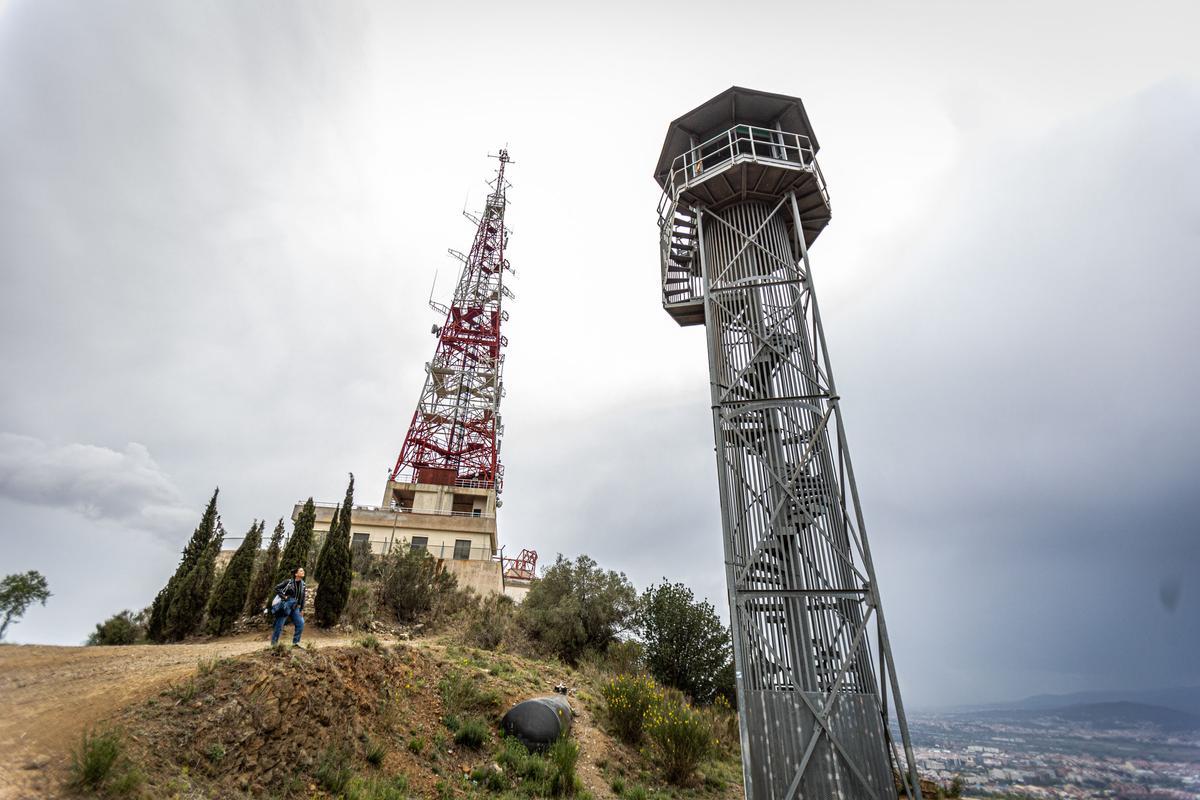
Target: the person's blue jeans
(289, 611)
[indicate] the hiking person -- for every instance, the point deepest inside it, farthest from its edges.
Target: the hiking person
(289, 604)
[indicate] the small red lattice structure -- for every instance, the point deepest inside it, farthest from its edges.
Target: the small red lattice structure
(523, 566)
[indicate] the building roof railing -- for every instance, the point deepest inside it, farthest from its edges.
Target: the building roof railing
(395, 509)
(410, 476)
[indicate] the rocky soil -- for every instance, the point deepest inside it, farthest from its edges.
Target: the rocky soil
(49, 695)
(232, 718)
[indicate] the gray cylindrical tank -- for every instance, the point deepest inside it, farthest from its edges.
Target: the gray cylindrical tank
(539, 722)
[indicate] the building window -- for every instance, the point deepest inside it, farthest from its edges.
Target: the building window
(360, 539)
(419, 543)
(478, 512)
(462, 549)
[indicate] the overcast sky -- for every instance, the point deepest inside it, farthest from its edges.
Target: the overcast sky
(220, 224)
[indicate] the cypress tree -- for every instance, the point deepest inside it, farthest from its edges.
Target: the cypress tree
(261, 586)
(190, 597)
(296, 553)
(229, 596)
(334, 566)
(156, 628)
(318, 570)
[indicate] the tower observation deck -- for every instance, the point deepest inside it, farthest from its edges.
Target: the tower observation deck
(743, 200)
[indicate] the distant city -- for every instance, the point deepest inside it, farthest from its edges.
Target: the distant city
(1109, 749)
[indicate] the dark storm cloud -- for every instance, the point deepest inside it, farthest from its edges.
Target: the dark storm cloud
(1020, 405)
(1022, 392)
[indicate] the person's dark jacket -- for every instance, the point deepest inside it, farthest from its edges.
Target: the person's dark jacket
(292, 588)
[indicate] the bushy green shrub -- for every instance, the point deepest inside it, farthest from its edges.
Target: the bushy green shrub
(472, 733)
(377, 788)
(518, 761)
(375, 752)
(622, 657)
(414, 587)
(628, 700)
(127, 782)
(576, 607)
(369, 642)
(685, 644)
(489, 622)
(681, 738)
(723, 722)
(95, 760)
(360, 605)
(490, 778)
(563, 755)
(362, 559)
(120, 629)
(462, 695)
(333, 772)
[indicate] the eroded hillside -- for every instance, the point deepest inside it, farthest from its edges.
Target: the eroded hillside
(361, 720)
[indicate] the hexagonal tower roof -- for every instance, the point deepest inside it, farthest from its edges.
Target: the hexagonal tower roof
(733, 106)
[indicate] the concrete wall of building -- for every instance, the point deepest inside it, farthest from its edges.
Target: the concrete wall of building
(441, 499)
(442, 516)
(516, 590)
(387, 528)
(440, 543)
(481, 577)
(222, 560)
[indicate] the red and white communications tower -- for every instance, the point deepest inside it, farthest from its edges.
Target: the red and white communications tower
(454, 437)
(441, 495)
(450, 461)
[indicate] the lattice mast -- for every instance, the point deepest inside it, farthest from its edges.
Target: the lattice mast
(743, 200)
(455, 434)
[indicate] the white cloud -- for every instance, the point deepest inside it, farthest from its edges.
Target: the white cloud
(124, 487)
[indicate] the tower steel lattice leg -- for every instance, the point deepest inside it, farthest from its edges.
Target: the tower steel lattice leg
(802, 589)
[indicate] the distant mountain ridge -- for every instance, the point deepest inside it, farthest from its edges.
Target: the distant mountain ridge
(1121, 714)
(1179, 698)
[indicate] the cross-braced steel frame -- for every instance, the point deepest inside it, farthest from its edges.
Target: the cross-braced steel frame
(803, 596)
(455, 433)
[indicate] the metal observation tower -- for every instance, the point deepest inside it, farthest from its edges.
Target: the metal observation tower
(743, 200)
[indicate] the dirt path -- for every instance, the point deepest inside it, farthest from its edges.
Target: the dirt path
(594, 748)
(49, 695)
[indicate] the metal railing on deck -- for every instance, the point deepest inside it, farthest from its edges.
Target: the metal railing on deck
(445, 551)
(411, 477)
(383, 547)
(736, 145)
(403, 510)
